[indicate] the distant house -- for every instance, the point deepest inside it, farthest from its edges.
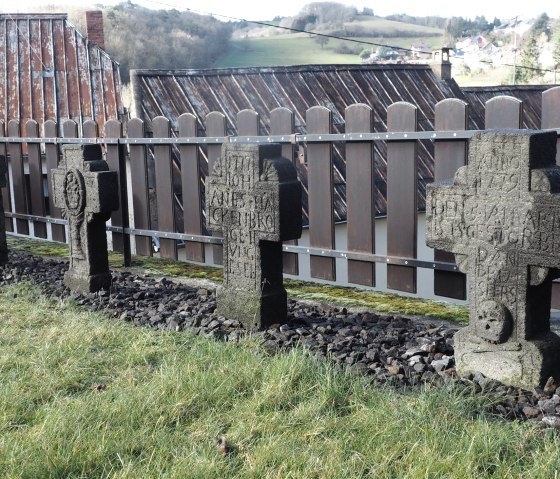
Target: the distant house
(51, 71)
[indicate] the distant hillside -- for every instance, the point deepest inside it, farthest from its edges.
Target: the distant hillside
(260, 46)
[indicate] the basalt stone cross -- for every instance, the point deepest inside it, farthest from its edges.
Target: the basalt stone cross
(501, 218)
(87, 192)
(254, 199)
(3, 242)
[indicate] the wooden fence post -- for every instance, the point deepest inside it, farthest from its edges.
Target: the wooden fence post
(190, 184)
(6, 198)
(36, 179)
(402, 194)
(320, 187)
(551, 114)
(450, 115)
(117, 162)
(551, 119)
(164, 187)
(51, 153)
(282, 123)
(360, 194)
(505, 112)
(139, 187)
(18, 177)
(215, 126)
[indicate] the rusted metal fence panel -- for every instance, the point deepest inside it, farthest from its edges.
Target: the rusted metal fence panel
(402, 194)
(139, 187)
(360, 194)
(36, 179)
(449, 156)
(18, 177)
(190, 184)
(164, 187)
(215, 127)
(282, 122)
(320, 187)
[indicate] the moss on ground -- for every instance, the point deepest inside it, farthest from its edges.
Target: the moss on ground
(382, 302)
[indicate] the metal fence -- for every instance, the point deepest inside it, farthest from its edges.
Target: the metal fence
(177, 174)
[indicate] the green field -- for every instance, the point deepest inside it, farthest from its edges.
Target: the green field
(83, 396)
(301, 48)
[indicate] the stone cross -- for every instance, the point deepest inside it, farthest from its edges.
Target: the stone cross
(254, 199)
(501, 218)
(3, 183)
(86, 192)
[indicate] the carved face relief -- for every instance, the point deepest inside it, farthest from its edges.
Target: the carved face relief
(493, 322)
(74, 192)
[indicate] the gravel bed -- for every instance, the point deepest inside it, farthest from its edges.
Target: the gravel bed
(395, 350)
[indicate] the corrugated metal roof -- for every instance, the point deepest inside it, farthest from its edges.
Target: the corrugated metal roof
(531, 95)
(171, 93)
(50, 71)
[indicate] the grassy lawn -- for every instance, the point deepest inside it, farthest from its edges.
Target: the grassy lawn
(301, 49)
(86, 397)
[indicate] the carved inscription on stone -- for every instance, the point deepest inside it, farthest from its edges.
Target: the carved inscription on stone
(254, 198)
(501, 217)
(86, 192)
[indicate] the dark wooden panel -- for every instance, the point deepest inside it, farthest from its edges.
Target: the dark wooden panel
(6, 199)
(139, 180)
(282, 123)
(450, 115)
(113, 129)
(164, 187)
(190, 184)
(504, 112)
(402, 193)
(551, 113)
(555, 304)
(320, 187)
(360, 194)
(36, 179)
(52, 155)
(18, 178)
(215, 126)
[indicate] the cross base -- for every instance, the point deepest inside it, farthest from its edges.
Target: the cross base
(254, 311)
(524, 364)
(87, 284)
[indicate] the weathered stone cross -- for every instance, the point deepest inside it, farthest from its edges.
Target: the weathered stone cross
(254, 198)
(87, 192)
(3, 242)
(501, 217)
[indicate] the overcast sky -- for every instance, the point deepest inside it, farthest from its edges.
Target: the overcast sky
(266, 10)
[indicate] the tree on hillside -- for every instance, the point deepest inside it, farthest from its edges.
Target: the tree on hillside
(162, 39)
(541, 25)
(329, 13)
(321, 41)
(556, 43)
(529, 66)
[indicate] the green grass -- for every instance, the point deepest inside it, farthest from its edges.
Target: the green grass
(85, 397)
(382, 302)
(301, 49)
